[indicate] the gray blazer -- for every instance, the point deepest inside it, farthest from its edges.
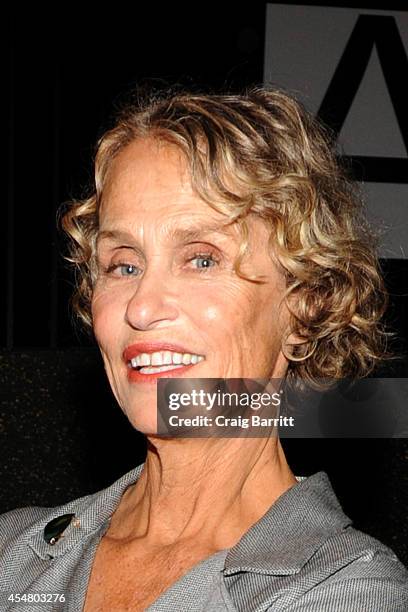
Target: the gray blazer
(302, 555)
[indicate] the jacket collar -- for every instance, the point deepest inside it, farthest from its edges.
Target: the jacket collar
(281, 542)
(291, 531)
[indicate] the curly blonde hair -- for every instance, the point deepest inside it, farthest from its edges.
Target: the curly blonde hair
(262, 153)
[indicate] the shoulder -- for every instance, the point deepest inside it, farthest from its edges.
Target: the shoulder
(360, 573)
(357, 572)
(305, 554)
(25, 552)
(25, 555)
(19, 520)
(351, 544)
(352, 571)
(21, 528)
(23, 522)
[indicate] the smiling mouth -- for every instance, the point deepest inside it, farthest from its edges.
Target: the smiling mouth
(163, 361)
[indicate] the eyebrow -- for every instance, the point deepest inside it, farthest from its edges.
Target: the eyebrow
(178, 234)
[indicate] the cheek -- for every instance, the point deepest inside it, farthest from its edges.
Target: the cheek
(105, 310)
(239, 313)
(211, 313)
(225, 308)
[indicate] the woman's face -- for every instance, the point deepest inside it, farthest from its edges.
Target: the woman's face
(166, 285)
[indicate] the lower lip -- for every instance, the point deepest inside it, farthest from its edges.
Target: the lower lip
(135, 376)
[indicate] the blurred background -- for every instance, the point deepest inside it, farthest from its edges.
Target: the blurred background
(61, 432)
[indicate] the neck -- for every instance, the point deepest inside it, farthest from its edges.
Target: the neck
(207, 491)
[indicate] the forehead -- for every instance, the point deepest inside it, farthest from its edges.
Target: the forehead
(148, 192)
(149, 181)
(148, 173)
(156, 159)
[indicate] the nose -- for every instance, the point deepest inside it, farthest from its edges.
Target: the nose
(154, 302)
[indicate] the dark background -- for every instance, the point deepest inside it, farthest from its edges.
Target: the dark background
(61, 433)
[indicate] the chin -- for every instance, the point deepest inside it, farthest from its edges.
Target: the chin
(144, 426)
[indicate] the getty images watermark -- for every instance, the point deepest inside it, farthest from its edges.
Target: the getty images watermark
(220, 407)
(236, 407)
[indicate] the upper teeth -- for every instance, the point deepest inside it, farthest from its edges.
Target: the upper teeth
(161, 358)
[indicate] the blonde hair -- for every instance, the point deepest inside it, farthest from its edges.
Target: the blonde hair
(261, 152)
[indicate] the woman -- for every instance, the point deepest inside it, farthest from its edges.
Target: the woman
(221, 241)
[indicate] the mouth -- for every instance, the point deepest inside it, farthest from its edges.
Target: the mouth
(168, 361)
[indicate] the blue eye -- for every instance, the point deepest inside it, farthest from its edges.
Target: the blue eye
(207, 260)
(123, 269)
(127, 269)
